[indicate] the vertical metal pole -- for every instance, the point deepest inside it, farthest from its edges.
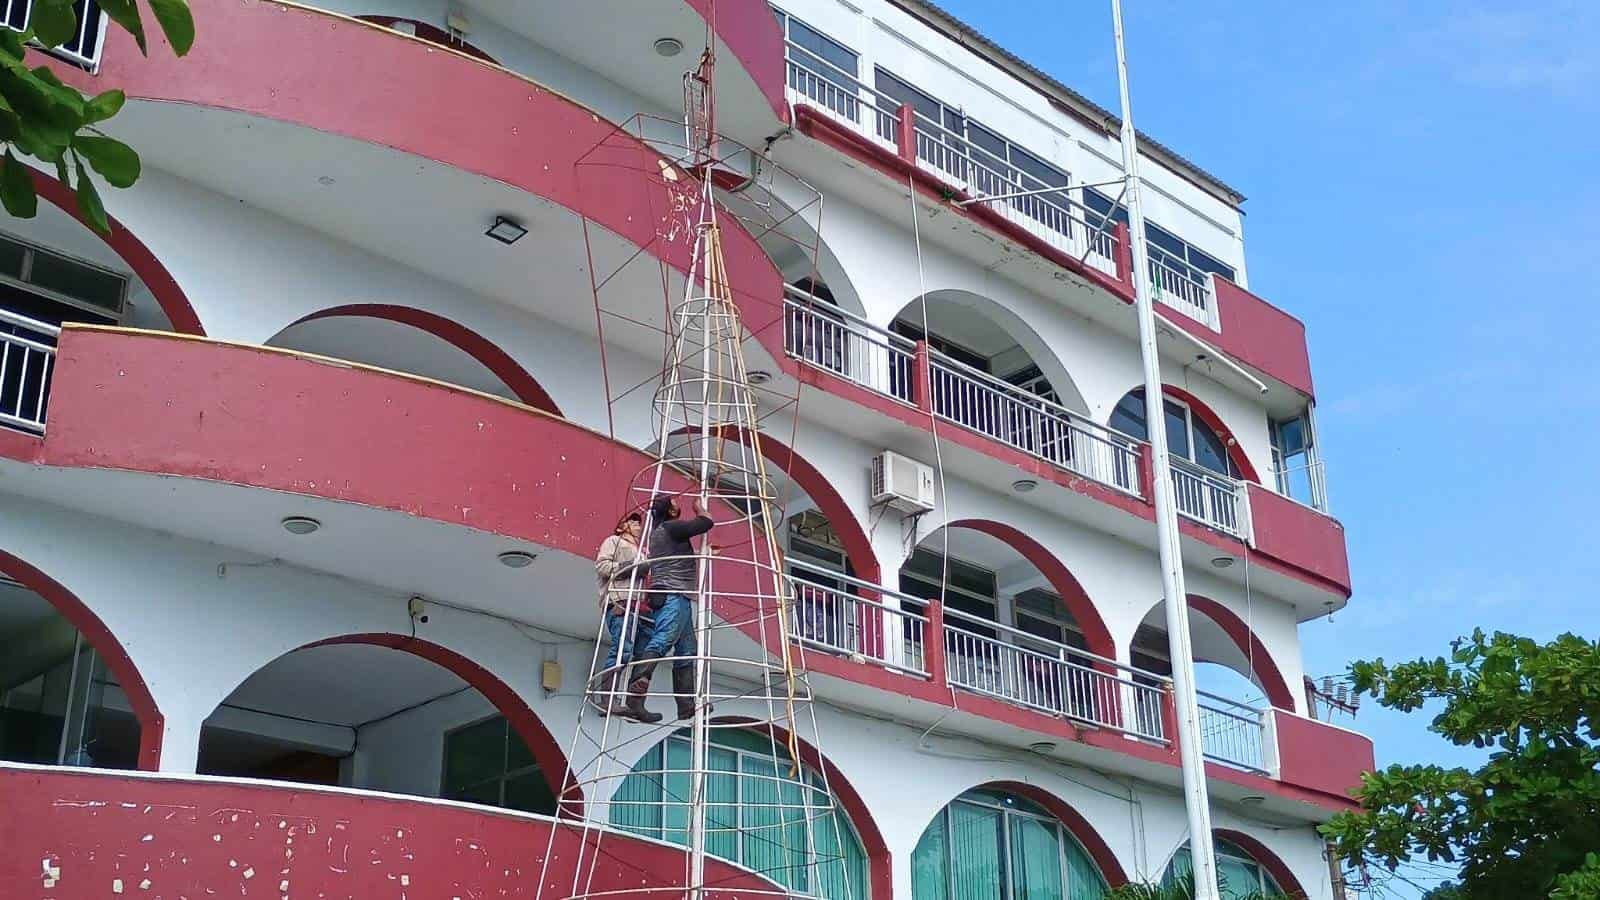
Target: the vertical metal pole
(1190, 752)
(698, 738)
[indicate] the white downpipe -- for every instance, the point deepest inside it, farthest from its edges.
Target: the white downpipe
(1190, 751)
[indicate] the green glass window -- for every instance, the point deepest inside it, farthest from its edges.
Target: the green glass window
(988, 845)
(758, 813)
(1239, 875)
(486, 762)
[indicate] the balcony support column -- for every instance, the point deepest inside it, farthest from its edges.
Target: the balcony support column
(1124, 254)
(922, 379)
(905, 136)
(933, 643)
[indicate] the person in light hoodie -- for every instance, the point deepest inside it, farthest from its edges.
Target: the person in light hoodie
(621, 575)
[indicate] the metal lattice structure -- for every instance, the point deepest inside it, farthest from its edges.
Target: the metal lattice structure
(670, 778)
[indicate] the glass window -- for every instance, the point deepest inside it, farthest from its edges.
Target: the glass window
(756, 813)
(987, 845)
(1294, 461)
(1165, 246)
(1238, 875)
(825, 48)
(1188, 437)
(486, 762)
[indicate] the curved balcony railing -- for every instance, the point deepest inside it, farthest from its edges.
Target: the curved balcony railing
(1210, 498)
(1055, 217)
(1183, 287)
(27, 359)
(835, 613)
(1232, 733)
(1038, 427)
(831, 339)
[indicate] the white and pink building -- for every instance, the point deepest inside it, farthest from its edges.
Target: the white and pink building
(302, 469)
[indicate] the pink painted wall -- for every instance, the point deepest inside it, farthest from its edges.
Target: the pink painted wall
(76, 834)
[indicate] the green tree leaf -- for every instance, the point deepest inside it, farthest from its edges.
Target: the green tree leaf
(126, 14)
(176, 22)
(53, 21)
(113, 159)
(16, 188)
(103, 106)
(89, 201)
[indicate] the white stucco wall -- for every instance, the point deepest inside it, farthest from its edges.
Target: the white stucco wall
(195, 636)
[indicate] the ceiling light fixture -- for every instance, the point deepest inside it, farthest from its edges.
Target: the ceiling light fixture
(1253, 800)
(506, 231)
(668, 47)
(1222, 562)
(300, 524)
(759, 377)
(325, 180)
(1024, 485)
(517, 559)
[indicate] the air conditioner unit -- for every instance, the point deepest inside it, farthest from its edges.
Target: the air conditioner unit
(902, 483)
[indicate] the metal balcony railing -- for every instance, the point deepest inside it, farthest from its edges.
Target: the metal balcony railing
(824, 85)
(1183, 287)
(1025, 421)
(1055, 217)
(1210, 498)
(27, 361)
(851, 348)
(990, 658)
(842, 618)
(1232, 733)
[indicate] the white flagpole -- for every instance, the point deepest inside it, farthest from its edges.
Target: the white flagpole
(1190, 752)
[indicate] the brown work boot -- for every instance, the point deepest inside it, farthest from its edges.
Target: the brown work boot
(604, 698)
(683, 691)
(634, 709)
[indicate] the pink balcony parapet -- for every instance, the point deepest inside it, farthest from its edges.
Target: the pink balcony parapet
(1299, 536)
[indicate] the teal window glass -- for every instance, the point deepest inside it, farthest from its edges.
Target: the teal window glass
(760, 813)
(486, 762)
(987, 845)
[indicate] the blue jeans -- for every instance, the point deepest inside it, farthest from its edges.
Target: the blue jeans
(674, 632)
(634, 645)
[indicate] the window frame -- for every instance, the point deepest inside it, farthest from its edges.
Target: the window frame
(978, 798)
(506, 773)
(1104, 206)
(813, 782)
(21, 282)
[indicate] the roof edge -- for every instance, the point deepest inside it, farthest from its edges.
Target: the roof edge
(1062, 97)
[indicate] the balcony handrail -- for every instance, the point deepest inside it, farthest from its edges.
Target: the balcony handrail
(854, 80)
(860, 585)
(1025, 396)
(1069, 651)
(817, 304)
(1245, 709)
(1018, 177)
(34, 325)
(1211, 476)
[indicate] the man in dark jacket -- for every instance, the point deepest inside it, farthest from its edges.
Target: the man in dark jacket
(674, 581)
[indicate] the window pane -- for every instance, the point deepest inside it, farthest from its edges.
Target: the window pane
(929, 863)
(986, 139)
(486, 792)
(675, 793)
(900, 92)
(1238, 878)
(1165, 239)
(1207, 263)
(1291, 436)
(1209, 451)
(831, 51)
(1128, 417)
(635, 807)
(474, 754)
(1035, 860)
(76, 280)
(518, 756)
(722, 799)
(1178, 430)
(530, 792)
(1084, 881)
(976, 867)
(11, 254)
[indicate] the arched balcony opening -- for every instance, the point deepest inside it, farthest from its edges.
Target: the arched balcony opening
(1011, 840)
(1237, 679)
(1017, 625)
(69, 693)
(388, 713)
(801, 826)
(415, 342)
(1246, 869)
(1209, 467)
(55, 270)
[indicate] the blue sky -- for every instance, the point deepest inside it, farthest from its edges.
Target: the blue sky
(1424, 192)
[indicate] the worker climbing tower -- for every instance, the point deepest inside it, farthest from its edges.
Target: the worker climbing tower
(732, 771)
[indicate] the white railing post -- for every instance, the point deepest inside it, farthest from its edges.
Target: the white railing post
(1271, 762)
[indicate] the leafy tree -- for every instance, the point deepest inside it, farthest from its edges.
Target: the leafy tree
(1181, 888)
(42, 118)
(1526, 823)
